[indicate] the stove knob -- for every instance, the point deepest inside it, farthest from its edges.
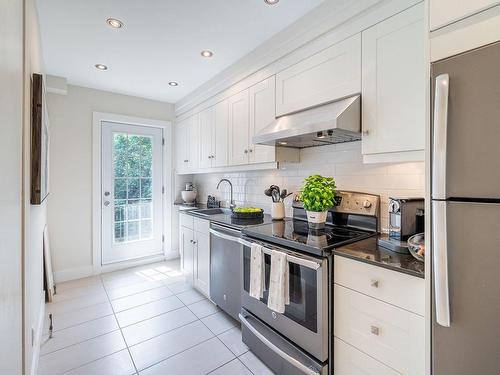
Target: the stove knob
(367, 204)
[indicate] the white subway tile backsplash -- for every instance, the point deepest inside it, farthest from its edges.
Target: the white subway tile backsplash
(342, 161)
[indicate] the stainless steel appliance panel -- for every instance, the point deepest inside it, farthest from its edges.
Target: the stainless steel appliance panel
(470, 259)
(466, 122)
(306, 320)
(225, 269)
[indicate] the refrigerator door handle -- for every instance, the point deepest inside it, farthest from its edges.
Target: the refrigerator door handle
(440, 263)
(439, 136)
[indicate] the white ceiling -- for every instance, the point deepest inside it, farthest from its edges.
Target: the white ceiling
(160, 42)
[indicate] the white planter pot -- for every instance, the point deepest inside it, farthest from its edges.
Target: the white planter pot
(316, 219)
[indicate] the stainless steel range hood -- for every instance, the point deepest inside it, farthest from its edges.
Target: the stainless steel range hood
(335, 122)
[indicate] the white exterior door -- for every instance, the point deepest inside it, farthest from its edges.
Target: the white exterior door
(131, 201)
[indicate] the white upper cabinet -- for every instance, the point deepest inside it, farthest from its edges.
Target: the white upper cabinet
(393, 92)
(444, 12)
(220, 134)
(181, 151)
(328, 75)
(262, 113)
(187, 144)
(207, 125)
(239, 122)
(213, 136)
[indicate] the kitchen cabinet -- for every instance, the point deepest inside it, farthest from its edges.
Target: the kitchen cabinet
(213, 136)
(262, 98)
(328, 75)
(195, 252)
(393, 88)
(379, 313)
(187, 143)
(187, 253)
(239, 125)
(445, 12)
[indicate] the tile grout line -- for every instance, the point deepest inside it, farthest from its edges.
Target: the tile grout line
(120, 328)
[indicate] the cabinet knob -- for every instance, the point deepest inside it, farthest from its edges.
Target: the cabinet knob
(246, 151)
(224, 297)
(374, 283)
(365, 132)
(194, 242)
(250, 150)
(375, 330)
(185, 161)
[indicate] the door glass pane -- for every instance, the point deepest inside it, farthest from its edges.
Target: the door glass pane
(133, 182)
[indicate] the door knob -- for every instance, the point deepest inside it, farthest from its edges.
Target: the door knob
(375, 330)
(374, 283)
(106, 203)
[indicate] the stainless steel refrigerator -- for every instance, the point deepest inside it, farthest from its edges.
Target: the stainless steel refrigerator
(466, 213)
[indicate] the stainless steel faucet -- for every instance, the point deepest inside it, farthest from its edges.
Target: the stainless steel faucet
(231, 202)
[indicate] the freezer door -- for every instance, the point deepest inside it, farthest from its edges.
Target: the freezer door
(467, 102)
(471, 343)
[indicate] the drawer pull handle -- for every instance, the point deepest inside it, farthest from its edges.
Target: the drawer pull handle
(375, 330)
(374, 283)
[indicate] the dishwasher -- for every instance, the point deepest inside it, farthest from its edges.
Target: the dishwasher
(226, 264)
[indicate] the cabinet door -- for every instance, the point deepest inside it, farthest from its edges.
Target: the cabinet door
(262, 99)
(187, 253)
(181, 152)
(393, 105)
(193, 143)
(206, 119)
(220, 135)
(444, 12)
(328, 75)
(238, 128)
(202, 262)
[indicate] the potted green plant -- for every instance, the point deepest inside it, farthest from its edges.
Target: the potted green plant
(317, 196)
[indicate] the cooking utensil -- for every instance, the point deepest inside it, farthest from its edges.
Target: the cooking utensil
(268, 192)
(276, 195)
(283, 194)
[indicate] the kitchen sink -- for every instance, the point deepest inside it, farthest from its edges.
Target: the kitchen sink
(212, 211)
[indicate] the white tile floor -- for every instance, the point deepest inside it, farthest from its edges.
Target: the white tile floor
(145, 320)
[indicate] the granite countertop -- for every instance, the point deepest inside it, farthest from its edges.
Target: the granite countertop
(188, 206)
(369, 251)
(227, 220)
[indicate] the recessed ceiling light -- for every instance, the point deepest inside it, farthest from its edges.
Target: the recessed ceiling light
(173, 83)
(271, 2)
(114, 23)
(101, 67)
(207, 53)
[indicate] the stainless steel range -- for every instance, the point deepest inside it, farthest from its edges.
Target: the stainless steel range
(299, 341)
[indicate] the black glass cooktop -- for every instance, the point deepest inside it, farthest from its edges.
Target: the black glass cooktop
(296, 234)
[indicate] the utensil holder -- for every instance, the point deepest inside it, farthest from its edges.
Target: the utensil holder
(278, 211)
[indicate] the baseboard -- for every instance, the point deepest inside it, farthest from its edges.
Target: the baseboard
(73, 274)
(38, 337)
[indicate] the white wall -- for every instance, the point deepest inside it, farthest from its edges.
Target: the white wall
(35, 217)
(342, 161)
(69, 211)
(11, 116)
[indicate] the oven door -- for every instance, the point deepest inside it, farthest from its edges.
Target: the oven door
(305, 320)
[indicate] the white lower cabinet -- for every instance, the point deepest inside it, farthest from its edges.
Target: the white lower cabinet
(393, 88)
(389, 334)
(350, 361)
(195, 252)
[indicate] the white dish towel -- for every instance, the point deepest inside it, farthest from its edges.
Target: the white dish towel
(257, 271)
(279, 294)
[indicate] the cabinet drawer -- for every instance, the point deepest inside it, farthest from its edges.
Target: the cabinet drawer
(326, 76)
(186, 221)
(201, 225)
(405, 291)
(393, 336)
(350, 361)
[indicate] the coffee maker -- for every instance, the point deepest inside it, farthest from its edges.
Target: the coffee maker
(406, 217)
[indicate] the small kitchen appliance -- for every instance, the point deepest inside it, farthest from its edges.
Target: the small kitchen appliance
(405, 217)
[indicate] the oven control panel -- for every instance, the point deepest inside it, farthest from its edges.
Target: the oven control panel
(357, 203)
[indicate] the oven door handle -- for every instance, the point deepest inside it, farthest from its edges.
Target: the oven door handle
(294, 362)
